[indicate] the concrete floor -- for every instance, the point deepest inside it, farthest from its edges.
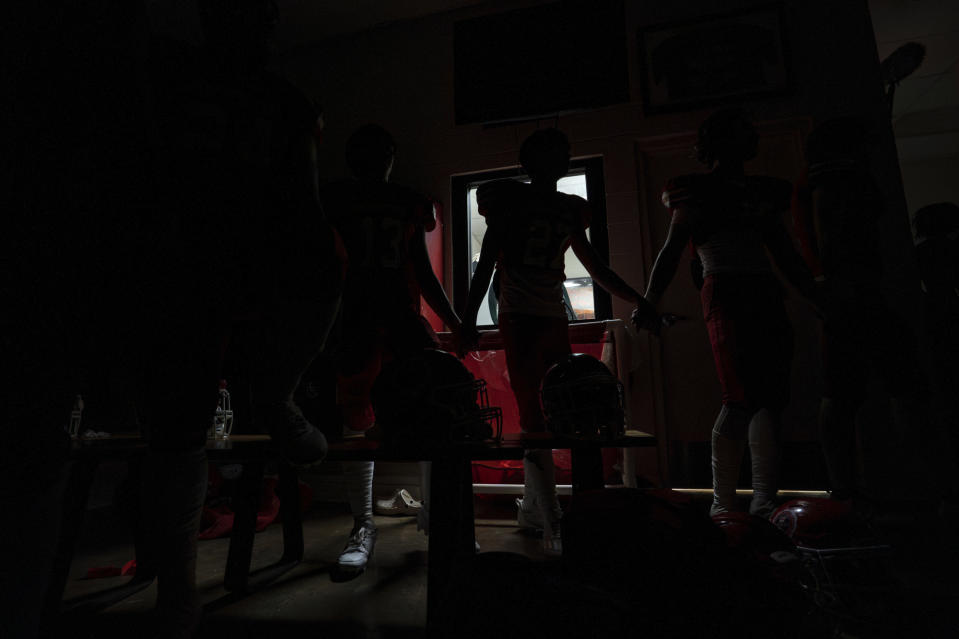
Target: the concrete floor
(388, 600)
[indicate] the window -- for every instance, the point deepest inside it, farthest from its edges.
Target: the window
(583, 301)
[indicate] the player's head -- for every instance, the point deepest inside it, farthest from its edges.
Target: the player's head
(936, 220)
(545, 155)
(727, 136)
(369, 152)
(239, 29)
(844, 139)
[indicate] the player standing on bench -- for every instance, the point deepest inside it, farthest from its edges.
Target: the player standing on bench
(529, 228)
(383, 226)
(731, 219)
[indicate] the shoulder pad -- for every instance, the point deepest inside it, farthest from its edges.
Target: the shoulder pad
(681, 189)
(578, 207)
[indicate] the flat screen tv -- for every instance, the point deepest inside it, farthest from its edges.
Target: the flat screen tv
(540, 61)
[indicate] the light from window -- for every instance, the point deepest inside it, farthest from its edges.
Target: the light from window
(580, 303)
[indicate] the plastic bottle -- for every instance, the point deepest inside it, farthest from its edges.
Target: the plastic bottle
(223, 417)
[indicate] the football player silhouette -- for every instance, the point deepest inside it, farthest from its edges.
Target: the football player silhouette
(529, 228)
(731, 219)
(383, 226)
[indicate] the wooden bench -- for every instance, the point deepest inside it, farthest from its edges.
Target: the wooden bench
(451, 539)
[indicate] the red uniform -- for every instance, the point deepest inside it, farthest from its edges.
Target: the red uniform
(742, 299)
(380, 315)
(531, 271)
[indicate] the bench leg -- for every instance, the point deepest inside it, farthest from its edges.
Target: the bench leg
(245, 504)
(587, 462)
(288, 491)
(77, 489)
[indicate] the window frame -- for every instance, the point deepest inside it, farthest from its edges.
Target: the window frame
(591, 167)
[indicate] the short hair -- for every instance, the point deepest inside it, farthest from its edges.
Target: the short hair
(540, 141)
(726, 132)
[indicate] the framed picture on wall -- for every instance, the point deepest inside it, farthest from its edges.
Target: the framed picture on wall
(714, 59)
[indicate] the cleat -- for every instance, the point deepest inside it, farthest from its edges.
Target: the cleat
(358, 550)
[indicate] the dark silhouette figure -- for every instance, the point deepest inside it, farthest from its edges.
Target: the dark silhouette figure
(837, 209)
(383, 226)
(937, 251)
(241, 237)
(72, 187)
(731, 219)
(530, 226)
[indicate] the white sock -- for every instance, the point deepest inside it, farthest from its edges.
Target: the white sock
(764, 454)
(726, 460)
(359, 489)
(539, 478)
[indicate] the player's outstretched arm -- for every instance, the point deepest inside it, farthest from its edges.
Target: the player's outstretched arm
(600, 272)
(667, 261)
(492, 242)
(432, 290)
(790, 263)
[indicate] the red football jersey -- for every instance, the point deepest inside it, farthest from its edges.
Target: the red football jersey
(377, 223)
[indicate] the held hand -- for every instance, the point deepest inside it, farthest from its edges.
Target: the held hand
(645, 317)
(467, 340)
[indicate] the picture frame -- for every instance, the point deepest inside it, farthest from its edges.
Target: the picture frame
(715, 59)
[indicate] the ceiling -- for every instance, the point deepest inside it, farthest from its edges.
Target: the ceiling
(926, 106)
(926, 113)
(304, 22)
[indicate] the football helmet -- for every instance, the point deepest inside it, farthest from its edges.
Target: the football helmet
(757, 537)
(582, 398)
(430, 398)
(819, 523)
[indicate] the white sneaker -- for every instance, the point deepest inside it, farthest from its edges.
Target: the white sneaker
(358, 549)
(401, 503)
(528, 515)
(552, 539)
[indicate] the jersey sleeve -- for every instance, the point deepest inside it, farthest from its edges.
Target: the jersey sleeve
(424, 213)
(582, 213)
(679, 191)
(494, 198)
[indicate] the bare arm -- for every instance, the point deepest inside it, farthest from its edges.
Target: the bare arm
(788, 260)
(492, 242)
(432, 289)
(600, 272)
(667, 261)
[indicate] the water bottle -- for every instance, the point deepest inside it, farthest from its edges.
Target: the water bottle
(223, 416)
(76, 415)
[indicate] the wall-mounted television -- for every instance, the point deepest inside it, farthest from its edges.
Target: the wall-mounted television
(540, 61)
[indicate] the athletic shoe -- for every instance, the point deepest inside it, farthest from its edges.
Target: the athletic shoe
(528, 515)
(299, 440)
(552, 540)
(358, 549)
(401, 503)
(763, 508)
